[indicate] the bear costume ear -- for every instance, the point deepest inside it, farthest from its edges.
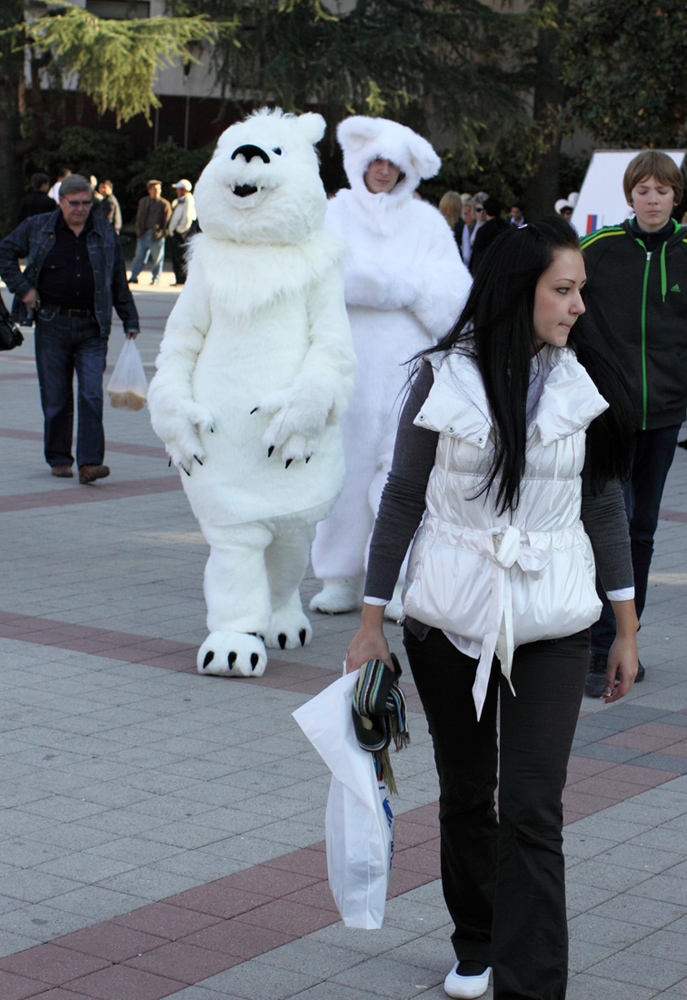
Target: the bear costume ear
(311, 126)
(422, 155)
(354, 132)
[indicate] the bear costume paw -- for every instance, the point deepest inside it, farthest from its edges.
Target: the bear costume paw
(232, 654)
(289, 628)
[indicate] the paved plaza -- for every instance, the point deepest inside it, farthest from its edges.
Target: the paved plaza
(161, 832)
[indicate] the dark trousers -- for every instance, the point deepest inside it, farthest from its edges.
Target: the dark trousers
(504, 879)
(65, 346)
(177, 250)
(654, 452)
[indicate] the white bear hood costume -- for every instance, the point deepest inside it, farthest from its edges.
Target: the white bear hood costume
(254, 373)
(405, 285)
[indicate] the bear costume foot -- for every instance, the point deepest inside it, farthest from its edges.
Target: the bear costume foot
(288, 629)
(232, 654)
(337, 596)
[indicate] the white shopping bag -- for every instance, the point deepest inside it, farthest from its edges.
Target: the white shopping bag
(359, 823)
(128, 387)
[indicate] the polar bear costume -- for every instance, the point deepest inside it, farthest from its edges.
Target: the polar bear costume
(405, 286)
(254, 373)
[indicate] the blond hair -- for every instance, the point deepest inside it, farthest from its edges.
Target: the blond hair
(450, 207)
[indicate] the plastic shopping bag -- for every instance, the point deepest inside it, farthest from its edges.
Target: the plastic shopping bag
(128, 387)
(359, 823)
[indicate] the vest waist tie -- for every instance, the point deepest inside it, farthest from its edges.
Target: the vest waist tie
(503, 548)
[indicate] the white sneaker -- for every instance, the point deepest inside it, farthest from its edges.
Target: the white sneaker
(465, 987)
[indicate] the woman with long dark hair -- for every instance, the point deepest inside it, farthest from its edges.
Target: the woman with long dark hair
(508, 455)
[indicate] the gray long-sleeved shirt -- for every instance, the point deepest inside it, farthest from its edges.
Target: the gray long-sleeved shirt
(403, 504)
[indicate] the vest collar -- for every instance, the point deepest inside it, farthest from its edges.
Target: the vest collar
(457, 404)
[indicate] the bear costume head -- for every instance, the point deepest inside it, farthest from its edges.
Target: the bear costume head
(364, 139)
(263, 183)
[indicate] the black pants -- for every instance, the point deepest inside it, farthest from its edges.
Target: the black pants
(504, 879)
(654, 453)
(177, 249)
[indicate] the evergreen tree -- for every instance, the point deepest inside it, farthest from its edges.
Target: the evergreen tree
(417, 61)
(114, 62)
(623, 63)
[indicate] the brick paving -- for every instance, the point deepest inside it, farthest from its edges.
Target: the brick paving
(162, 832)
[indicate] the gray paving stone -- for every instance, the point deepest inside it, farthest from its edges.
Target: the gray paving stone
(592, 987)
(41, 923)
(388, 978)
(201, 993)
(36, 886)
(662, 944)
(309, 954)
(663, 887)
(584, 954)
(431, 953)
(638, 910)
(605, 930)
(376, 942)
(641, 970)
(135, 850)
(256, 980)
(97, 903)
(581, 897)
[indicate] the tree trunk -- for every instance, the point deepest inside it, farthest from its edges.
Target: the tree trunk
(549, 97)
(11, 114)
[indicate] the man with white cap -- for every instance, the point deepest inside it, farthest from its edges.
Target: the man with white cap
(180, 228)
(405, 285)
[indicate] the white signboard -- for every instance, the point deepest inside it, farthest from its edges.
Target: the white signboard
(602, 201)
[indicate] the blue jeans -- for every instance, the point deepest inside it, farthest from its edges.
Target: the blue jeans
(654, 451)
(65, 346)
(148, 248)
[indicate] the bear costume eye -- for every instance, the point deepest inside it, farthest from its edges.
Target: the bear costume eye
(277, 150)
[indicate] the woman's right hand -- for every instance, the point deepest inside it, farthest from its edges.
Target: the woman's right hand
(369, 643)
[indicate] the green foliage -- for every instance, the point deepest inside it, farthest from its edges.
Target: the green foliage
(95, 151)
(170, 163)
(624, 62)
(503, 168)
(115, 61)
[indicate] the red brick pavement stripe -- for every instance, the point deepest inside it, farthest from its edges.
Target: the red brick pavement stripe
(673, 515)
(74, 493)
(150, 451)
(7, 377)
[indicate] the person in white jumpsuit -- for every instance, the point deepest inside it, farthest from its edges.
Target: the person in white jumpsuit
(405, 285)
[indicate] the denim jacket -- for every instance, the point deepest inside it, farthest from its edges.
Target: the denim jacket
(34, 238)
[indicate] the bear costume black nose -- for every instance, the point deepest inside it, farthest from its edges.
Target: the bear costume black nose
(248, 152)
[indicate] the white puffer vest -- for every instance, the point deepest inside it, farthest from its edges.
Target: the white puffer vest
(500, 580)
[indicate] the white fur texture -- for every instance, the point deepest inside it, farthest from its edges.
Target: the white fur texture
(254, 373)
(405, 287)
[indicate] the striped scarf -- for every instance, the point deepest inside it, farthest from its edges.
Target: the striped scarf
(379, 715)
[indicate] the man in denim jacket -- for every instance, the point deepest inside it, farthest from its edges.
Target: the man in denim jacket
(74, 275)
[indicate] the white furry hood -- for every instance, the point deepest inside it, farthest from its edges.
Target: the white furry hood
(263, 183)
(364, 139)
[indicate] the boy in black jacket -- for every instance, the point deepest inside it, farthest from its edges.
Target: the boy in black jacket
(636, 296)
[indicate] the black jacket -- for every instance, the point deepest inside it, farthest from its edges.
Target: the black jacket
(637, 300)
(36, 203)
(486, 235)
